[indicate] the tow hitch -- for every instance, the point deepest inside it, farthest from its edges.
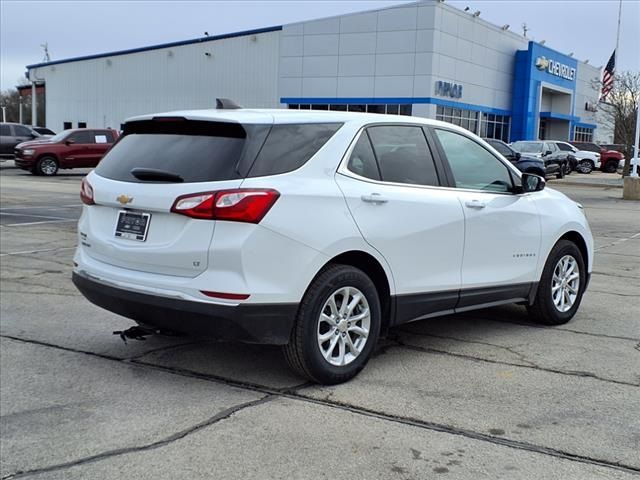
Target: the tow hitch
(139, 333)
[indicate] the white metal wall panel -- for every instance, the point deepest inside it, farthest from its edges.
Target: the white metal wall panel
(587, 90)
(103, 92)
(402, 51)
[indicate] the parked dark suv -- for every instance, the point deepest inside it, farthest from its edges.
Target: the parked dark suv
(547, 152)
(11, 134)
(76, 148)
(524, 163)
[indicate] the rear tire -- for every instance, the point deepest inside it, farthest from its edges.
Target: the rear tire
(561, 286)
(611, 167)
(585, 166)
(47, 166)
(331, 343)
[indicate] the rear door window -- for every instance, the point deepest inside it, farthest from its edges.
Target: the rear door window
(21, 131)
(5, 130)
(290, 146)
(84, 137)
(403, 154)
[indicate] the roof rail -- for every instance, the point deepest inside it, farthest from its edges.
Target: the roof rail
(226, 104)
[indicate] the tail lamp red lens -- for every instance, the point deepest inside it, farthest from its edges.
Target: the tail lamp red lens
(248, 205)
(86, 193)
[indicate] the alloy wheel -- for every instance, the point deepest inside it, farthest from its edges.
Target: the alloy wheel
(48, 166)
(565, 284)
(343, 326)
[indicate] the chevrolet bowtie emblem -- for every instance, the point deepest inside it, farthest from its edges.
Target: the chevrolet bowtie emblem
(542, 63)
(124, 199)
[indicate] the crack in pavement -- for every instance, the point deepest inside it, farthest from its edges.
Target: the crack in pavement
(617, 275)
(294, 393)
(518, 445)
(544, 327)
(521, 356)
(149, 446)
(572, 373)
(614, 293)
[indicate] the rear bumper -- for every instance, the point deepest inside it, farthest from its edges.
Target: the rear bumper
(257, 323)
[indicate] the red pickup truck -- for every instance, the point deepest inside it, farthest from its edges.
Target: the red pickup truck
(75, 148)
(609, 159)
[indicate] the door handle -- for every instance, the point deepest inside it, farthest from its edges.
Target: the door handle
(374, 198)
(475, 204)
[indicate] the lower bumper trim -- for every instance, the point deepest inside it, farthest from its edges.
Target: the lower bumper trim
(251, 323)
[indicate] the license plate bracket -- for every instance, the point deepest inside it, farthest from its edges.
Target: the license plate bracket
(132, 225)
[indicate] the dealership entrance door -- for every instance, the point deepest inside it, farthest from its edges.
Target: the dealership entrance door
(555, 113)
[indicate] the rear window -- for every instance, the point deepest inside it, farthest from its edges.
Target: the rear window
(199, 151)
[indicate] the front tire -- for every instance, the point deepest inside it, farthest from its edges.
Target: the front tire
(561, 286)
(337, 326)
(611, 167)
(585, 166)
(47, 166)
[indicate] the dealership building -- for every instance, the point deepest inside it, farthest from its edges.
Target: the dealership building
(426, 59)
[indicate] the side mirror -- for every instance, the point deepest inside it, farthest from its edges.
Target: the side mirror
(69, 142)
(532, 183)
(548, 152)
(34, 135)
(518, 155)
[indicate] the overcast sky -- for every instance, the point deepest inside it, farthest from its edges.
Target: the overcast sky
(76, 28)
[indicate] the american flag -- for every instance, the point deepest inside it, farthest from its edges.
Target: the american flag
(607, 76)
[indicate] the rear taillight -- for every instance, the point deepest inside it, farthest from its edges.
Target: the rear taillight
(86, 193)
(238, 205)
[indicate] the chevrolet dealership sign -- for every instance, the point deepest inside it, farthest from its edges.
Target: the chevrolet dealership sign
(556, 68)
(447, 89)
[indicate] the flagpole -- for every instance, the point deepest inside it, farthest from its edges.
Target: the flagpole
(618, 34)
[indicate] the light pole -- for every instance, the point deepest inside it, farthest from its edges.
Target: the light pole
(631, 184)
(4, 114)
(634, 167)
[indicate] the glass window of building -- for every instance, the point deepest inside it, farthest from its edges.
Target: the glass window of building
(467, 119)
(495, 126)
(582, 134)
(390, 109)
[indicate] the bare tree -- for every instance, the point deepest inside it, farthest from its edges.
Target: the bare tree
(620, 109)
(11, 100)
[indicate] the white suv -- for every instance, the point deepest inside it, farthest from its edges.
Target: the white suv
(587, 161)
(320, 230)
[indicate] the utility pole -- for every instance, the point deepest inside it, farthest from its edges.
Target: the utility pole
(525, 29)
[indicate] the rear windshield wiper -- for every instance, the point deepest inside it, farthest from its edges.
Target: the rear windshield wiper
(152, 174)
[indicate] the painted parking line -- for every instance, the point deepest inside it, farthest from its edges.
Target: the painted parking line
(617, 242)
(68, 220)
(28, 252)
(38, 207)
(32, 215)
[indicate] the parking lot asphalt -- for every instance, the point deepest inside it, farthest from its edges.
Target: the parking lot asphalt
(486, 394)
